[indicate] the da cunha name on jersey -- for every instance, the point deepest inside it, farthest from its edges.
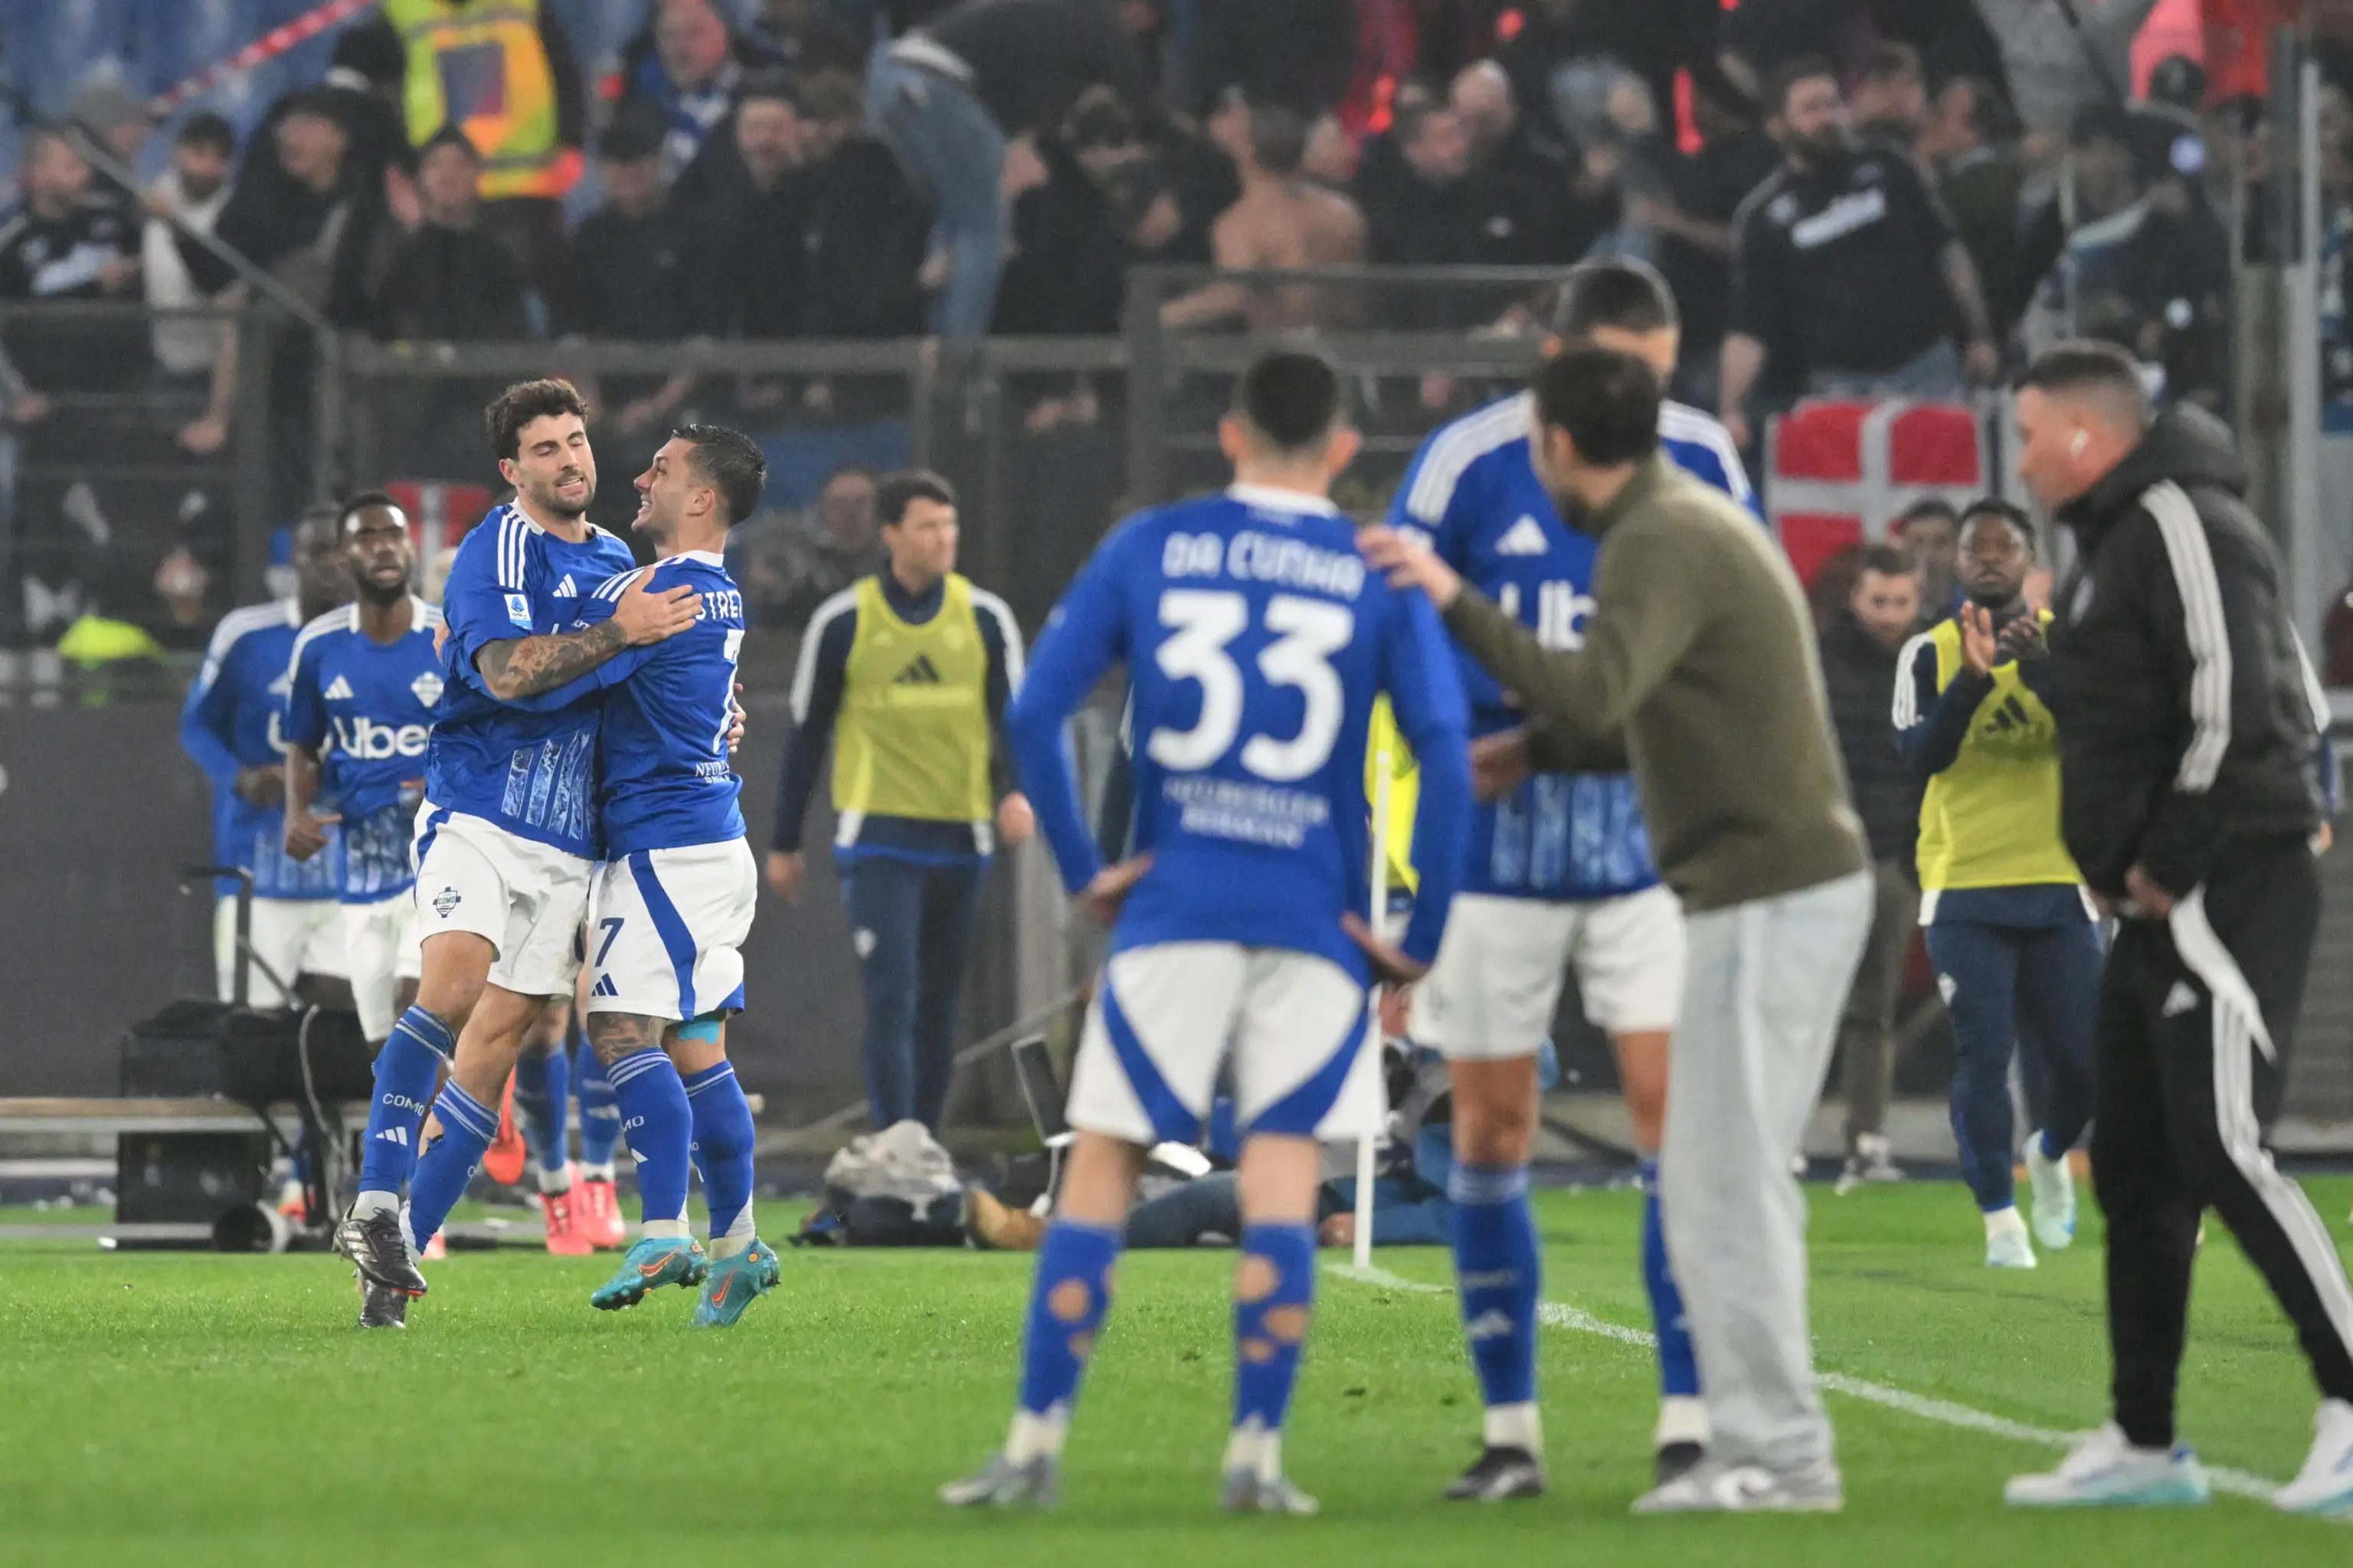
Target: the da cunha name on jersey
(1252, 556)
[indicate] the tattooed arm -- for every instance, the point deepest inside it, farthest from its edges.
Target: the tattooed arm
(521, 667)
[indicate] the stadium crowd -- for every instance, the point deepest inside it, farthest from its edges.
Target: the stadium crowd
(832, 169)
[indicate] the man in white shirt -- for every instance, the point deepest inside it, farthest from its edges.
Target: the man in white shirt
(189, 363)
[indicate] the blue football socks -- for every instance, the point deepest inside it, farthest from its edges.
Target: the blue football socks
(1274, 1291)
(468, 1125)
(655, 1117)
(543, 1103)
(1678, 1364)
(1067, 1306)
(407, 1068)
(600, 1113)
(723, 1135)
(1499, 1270)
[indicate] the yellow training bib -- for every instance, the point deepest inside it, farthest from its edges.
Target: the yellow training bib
(1991, 819)
(912, 736)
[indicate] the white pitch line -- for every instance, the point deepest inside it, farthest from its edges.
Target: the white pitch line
(1560, 1315)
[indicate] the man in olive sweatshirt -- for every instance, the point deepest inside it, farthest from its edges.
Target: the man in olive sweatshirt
(1698, 673)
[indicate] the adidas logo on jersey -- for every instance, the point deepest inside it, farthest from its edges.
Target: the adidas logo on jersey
(338, 690)
(920, 673)
(565, 589)
(605, 987)
(1525, 537)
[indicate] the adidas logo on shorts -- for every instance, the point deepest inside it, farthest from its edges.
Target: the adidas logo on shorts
(605, 987)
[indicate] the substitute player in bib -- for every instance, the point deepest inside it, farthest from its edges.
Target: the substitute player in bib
(2010, 926)
(507, 836)
(1560, 875)
(230, 727)
(1255, 646)
(362, 688)
(672, 899)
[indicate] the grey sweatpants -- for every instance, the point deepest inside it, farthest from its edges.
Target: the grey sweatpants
(1763, 986)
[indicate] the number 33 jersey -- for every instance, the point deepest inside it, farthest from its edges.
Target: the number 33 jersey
(1255, 640)
(667, 782)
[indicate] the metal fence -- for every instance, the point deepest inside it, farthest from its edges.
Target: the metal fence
(1051, 440)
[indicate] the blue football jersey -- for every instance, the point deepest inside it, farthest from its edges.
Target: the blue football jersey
(1255, 642)
(531, 771)
(230, 722)
(368, 708)
(1472, 491)
(666, 781)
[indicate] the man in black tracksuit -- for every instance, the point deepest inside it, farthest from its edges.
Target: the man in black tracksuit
(2186, 723)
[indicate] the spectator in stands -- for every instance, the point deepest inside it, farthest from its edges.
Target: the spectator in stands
(949, 97)
(306, 215)
(1860, 649)
(1564, 213)
(1930, 532)
(451, 282)
(1281, 220)
(688, 65)
(864, 227)
(1891, 96)
(1966, 148)
(1297, 53)
(788, 563)
(116, 125)
(188, 358)
(1847, 276)
(2061, 60)
(2146, 266)
(1445, 210)
(506, 76)
(805, 36)
(70, 242)
(644, 268)
(761, 286)
(1654, 38)
(1692, 228)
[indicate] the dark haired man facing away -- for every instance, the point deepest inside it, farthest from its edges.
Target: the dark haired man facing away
(1697, 672)
(2186, 716)
(1256, 642)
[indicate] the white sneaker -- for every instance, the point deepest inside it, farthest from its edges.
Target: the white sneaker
(2006, 1243)
(2055, 1196)
(1713, 1486)
(2325, 1485)
(2106, 1470)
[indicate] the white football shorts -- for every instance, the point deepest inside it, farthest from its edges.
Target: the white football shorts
(290, 937)
(1165, 1019)
(1496, 985)
(523, 897)
(381, 938)
(666, 930)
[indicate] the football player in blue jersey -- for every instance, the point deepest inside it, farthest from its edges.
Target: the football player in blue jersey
(1560, 875)
(230, 727)
(363, 685)
(673, 896)
(507, 834)
(1255, 647)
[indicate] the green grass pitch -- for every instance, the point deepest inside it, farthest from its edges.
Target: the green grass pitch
(180, 1409)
